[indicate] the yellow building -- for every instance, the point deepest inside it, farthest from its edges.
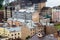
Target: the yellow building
(4, 32)
(11, 33)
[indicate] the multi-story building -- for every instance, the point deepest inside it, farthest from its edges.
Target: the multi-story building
(8, 12)
(26, 14)
(46, 12)
(38, 4)
(14, 34)
(25, 3)
(18, 28)
(56, 14)
(40, 30)
(21, 31)
(11, 33)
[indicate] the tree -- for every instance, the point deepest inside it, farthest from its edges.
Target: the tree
(1, 4)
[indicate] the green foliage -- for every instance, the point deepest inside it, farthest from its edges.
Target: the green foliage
(1, 1)
(1, 4)
(57, 26)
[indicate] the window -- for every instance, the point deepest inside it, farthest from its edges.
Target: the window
(18, 37)
(18, 33)
(15, 34)
(33, 32)
(15, 37)
(12, 35)
(5, 34)
(8, 34)
(31, 29)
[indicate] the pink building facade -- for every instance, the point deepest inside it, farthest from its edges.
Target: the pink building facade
(56, 15)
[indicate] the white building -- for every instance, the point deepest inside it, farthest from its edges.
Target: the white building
(25, 14)
(46, 22)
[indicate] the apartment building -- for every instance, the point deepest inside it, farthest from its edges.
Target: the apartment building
(18, 28)
(23, 4)
(8, 12)
(3, 31)
(38, 4)
(10, 32)
(15, 33)
(46, 12)
(21, 31)
(25, 14)
(56, 14)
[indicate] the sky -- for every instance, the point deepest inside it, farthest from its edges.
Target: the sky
(51, 3)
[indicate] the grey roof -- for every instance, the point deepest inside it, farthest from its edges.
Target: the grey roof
(14, 29)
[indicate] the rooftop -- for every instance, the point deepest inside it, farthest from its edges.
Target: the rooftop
(38, 1)
(14, 29)
(45, 8)
(27, 1)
